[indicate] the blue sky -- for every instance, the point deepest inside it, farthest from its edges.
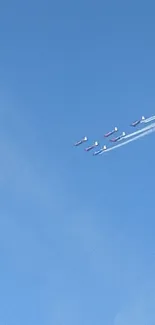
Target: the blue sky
(76, 232)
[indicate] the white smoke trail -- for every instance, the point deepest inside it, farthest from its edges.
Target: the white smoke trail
(130, 140)
(130, 135)
(149, 119)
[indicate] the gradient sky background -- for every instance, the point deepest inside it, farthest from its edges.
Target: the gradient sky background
(77, 244)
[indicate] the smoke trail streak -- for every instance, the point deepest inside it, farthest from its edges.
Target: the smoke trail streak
(130, 140)
(130, 135)
(149, 119)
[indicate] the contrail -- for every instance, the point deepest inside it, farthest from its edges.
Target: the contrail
(130, 135)
(130, 140)
(149, 119)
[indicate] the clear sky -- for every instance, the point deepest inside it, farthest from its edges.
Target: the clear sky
(77, 244)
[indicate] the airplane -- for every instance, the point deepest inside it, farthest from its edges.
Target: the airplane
(138, 121)
(111, 132)
(118, 138)
(92, 147)
(81, 141)
(99, 151)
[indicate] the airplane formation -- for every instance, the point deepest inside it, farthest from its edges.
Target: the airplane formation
(121, 137)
